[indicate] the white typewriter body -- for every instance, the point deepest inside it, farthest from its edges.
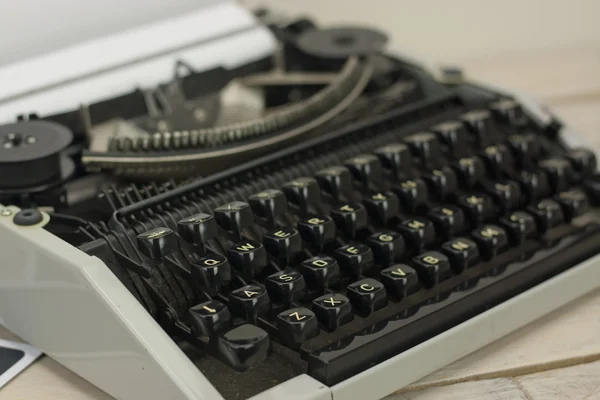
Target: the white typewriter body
(74, 309)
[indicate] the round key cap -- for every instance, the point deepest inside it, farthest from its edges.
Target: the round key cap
(316, 230)
(418, 232)
(250, 302)
(332, 310)
(268, 205)
(234, 216)
(387, 246)
(547, 214)
(506, 194)
(412, 194)
(480, 124)
(382, 207)
(583, 160)
(441, 182)
(462, 253)
(367, 296)
(525, 147)
(395, 157)
(498, 159)
(211, 271)
(286, 286)
(320, 271)
(210, 318)
(284, 244)
(350, 218)
(560, 171)
(449, 220)
(198, 228)
(491, 239)
(454, 135)
(508, 111)
(470, 171)
(432, 267)
(366, 169)
(336, 181)
(297, 325)
(249, 257)
(302, 193)
(355, 258)
(424, 145)
(519, 225)
(157, 243)
(477, 208)
(574, 203)
(400, 280)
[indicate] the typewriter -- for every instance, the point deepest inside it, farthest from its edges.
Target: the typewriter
(266, 208)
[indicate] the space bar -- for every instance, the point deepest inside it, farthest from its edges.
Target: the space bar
(352, 355)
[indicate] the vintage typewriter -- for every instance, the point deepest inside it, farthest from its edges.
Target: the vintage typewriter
(289, 212)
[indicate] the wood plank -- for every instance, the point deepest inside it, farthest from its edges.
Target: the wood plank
(576, 382)
(565, 337)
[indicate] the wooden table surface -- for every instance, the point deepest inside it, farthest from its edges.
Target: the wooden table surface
(555, 357)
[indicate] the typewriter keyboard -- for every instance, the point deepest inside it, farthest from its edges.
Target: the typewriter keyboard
(358, 245)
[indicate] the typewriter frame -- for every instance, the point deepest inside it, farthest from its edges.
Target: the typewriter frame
(48, 287)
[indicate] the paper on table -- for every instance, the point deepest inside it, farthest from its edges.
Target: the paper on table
(14, 358)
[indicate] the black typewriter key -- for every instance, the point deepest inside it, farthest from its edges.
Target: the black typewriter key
(477, 208)
(400, 280)
(498, 159)
(395, 157)
(574, 203)
(382, 207)
(481, 124)
(248, 257)
(508, 111)
(316, 230)
(355, 258)
(442, 182)
(321, 272)
(387, 247)
(454, 135)
(491, 239)
(302, 193)
(462, 253)
(234, 217)
(412, 193)
(534, 184)
(198, 228)
(250, 302)
(470, 171)
(560, 171)
(418, 232)
(432, 267)
(583, 160)
(244, 346)
(336, 181)
(332, 310)
(506, 194)
(268, 205)
(211, 271)
(210, 318)
(366, 169)
(297, 325)
(284, 244)
(547, 213)
(350, 218)
(157, 243)
(449, 220)
(519, 225)
(286, 286)
(525, 147)
(367, 296)
(424, 145)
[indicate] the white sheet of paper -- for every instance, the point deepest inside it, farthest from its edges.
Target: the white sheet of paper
(14, 358)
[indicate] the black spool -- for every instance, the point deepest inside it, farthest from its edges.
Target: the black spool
(32, 156)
